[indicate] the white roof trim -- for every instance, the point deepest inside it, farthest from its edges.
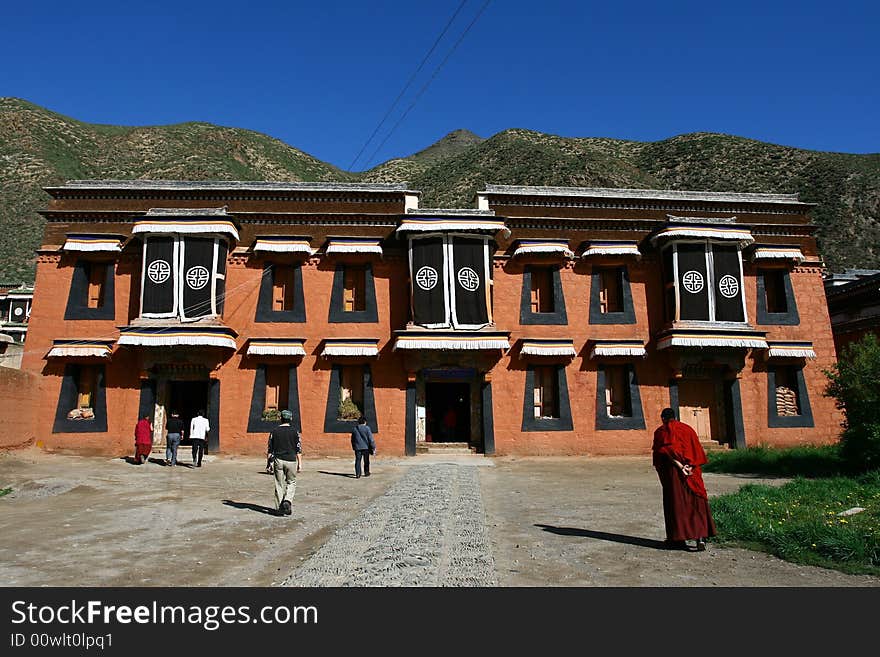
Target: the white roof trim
(742, 236)
(353, 248)
(543, 248)
(791, 350)
(612, 249)
(71, 350)
(451, 343)
(95, 244)
(277, 246)
(711, 341)
(547, 350)
(784, 253)
(171, 339)
(618, 350)
(186, 227)
(350, 350)
(276, 349)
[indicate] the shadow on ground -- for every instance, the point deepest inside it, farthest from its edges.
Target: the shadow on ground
(251, 507)
(338, 474)
(606, 536)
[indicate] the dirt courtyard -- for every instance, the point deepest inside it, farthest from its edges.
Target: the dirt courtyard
(576, 521)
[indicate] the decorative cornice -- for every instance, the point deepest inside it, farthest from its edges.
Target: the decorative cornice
(647, 194)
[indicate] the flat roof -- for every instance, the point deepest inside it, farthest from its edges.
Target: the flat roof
(644, 194)
(231, 185)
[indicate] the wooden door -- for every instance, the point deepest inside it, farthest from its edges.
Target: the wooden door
(697, 407)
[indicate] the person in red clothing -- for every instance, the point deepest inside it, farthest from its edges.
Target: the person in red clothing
(678, 457)
(143, 440)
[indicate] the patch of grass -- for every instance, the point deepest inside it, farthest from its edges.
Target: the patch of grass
(810, 462)
(5, 491)
(799, 521)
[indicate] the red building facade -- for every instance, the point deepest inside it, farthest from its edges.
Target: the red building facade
(542, 321)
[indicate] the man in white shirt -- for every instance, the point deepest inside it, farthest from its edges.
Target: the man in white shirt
(198, 434)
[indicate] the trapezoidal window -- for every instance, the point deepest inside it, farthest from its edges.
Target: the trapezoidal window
(97, 275)
(787, 399)
(351, 392)
(282, 288)
(610, 291)
(277, 389)
(618, 402)
(542, 290)
(774, 290)
(546, 392)
(354, 289)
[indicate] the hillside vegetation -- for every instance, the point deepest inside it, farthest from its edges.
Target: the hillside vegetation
(39, 148)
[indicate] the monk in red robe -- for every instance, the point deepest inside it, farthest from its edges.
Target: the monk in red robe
(678, 457)
(143, 439)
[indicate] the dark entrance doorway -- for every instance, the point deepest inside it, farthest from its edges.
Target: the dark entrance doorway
(448, 412)
(187, 398)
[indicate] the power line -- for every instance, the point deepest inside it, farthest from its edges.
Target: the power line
(406, 86)
(430, 80)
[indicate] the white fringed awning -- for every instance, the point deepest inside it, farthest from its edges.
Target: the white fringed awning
(336, 245)
(467, 224)
(547, 348)
(790, 350)
(778, 253)
(445, 340)
(81, 349)
(351, 347)
(743, 340)
(272, 244)
(93, 243)
(618, 348)
(186, 221)
(276, 347)
(543, 246)
(171, 336)
(742, 236)
(611, 248)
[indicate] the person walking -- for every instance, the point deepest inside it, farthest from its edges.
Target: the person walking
(174, 434)
(363, 444)
(678, 456)
(198, 435)
(143, 439)
(285, 445)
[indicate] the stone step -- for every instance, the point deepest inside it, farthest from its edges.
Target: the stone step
(444, 448)
(711, 445)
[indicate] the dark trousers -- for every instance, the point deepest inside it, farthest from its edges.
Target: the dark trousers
(198, 450)
(358, 455)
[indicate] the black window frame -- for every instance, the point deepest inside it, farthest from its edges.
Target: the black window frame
(337, 314)
(78, 297)
(763, 317)
(256, 423)
(559, 315)
(625, 316)
(332, 424)
(265, 311)
(531, 423)
(604, 422)
(776, 421)
(68, 398)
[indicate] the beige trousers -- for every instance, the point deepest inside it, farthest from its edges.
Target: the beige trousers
(285, 481)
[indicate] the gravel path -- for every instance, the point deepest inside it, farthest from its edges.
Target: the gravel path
(428, 529)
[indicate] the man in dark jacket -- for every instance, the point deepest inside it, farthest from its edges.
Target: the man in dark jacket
(363, 445)
(285, 444)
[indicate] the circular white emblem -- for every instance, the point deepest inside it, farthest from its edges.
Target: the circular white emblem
(468, 279)
(18, 312)
(426, 278)
(692, 281)
(159, 271)
(728, 286)
(197, 277)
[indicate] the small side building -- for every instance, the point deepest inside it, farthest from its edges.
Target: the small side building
(854, 304)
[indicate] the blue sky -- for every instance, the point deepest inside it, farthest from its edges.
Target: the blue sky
(321, 75)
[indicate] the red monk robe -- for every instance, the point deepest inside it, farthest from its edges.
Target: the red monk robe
(143, 440)
(685, 501)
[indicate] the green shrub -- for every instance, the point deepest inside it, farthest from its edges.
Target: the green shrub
(806, 461)
(272, 415)
(348, 410)
(854, 382)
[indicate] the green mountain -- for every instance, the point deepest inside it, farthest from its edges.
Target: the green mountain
(39, 147)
